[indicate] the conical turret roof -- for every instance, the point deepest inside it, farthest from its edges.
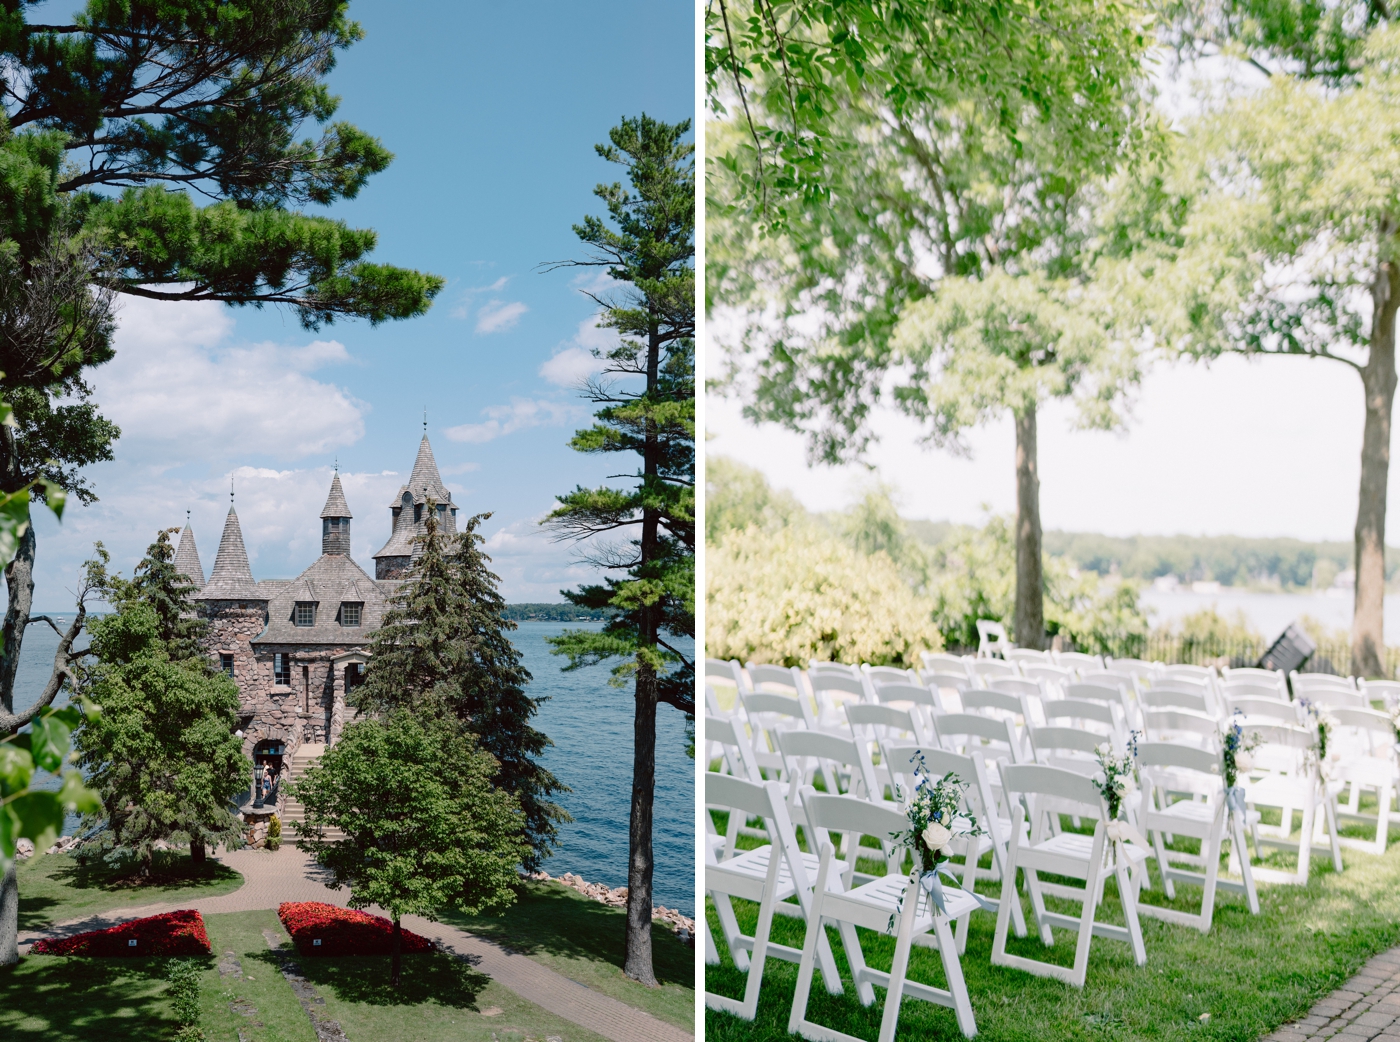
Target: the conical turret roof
(425, 482)
(231, 577)
(335, 502)
(187, 558)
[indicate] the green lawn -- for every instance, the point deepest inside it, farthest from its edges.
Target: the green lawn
(1250, 973)
(55, 888)
(54, 999)
(583, 940)
(442, 998)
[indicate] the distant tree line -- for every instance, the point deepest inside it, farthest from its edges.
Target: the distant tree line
(551, 612)
(1232, 560)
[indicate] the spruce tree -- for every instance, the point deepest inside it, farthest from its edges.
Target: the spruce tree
(442, 652)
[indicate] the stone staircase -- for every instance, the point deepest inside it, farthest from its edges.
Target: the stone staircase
(292, 810)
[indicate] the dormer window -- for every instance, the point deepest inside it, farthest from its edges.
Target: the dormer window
(304, 614)
(350, 612)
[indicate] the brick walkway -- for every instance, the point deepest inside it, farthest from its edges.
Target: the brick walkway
(289, 875)
(1365, 1007)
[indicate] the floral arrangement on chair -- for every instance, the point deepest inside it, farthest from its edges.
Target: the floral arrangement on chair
(1237, 750)
(936, 814)
(1116, 780)
(1325, 724)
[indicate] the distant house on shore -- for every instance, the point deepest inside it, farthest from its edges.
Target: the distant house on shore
(296, 647)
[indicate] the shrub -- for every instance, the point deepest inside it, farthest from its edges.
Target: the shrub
(343, 931)
(173, 933)
(797, 593)
(274, 833)
(183, 977)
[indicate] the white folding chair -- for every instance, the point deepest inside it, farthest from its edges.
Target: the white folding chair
(1387, 692)
(879, 675)
(843, 762)
(1365, 739)
(727, 737)
(839, 669)
(1028, 656)
(769, 713)
(1048, 792)
(992, 639)
(1167, 771)
(766, 875)
(871, 906)
(946, 687)
(1270, 678)
(1077, 660)
(725, 675)
(993, 702)
(1171, 695)
(1182, 727)
(1286, 776)
(1055, 678)
(1183, 671)
(832, 692)
(1104, 719)
(984, 669)
(924, 702)
(941, 662)
(877, 724)
(994, 738)
(1261, 710)
(1327, 690)
(1068, 748)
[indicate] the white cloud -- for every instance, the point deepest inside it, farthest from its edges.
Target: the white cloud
(496, 316)
(519, 414)
(463, 307)
(182, 394)
(533, 566)
(574, 362)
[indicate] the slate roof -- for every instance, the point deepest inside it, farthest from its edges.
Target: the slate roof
(425, 481)
(423, 484)
(231, 578)
(335, 502)
(187, 558)
(333, 578)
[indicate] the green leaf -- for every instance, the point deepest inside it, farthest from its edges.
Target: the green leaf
(54, 496)
(48, 743)
(77, 797)
(40, 816)
(16, 768)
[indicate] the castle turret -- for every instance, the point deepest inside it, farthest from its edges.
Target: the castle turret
(231, 578)
(335, 521)
(395, 558)
(187, 558)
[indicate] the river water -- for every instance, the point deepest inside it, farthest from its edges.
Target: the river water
(591, 726)
(1269, 613)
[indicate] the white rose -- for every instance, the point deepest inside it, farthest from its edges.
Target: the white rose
(1103, 748)
(1123, 784)
(936, 836)
(1243, 761)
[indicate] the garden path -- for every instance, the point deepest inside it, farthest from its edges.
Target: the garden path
(290, 875)
(1365, 1008)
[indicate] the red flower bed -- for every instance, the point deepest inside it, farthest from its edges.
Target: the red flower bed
(174, 933)
(321, 929)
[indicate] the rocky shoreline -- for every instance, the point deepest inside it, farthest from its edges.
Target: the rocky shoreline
(616, 897)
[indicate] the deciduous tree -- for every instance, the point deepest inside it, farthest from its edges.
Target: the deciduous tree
(425, 825)
(647, 409)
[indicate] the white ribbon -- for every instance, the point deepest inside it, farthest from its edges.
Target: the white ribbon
(1234, 799)
(930, 882)
(1122, 832)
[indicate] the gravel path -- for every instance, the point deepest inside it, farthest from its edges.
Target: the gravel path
(289, 875)
(1364, 1008)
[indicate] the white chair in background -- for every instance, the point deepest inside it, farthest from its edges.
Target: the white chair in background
(1167, 771)
(993, 702)
(984, 669)
(992, 639)
(967, 732)
(1327, 690)
(1272, 678)
(769, 713)
(1286, 776)
(1175, 696)
(768, 875)
(946, 687)
(1102, 719)
(1054, 678)
(727, 738)
(1202, 687)
(1248, 688)
(1028, 657)
(1183, 671)
(877, 724)
(725, 676)
(924, 702)
(1261, 710)
(1387, 692)
(871, 905)
(843, 762)
(1077, 660)
(777, 680)
(1365, 738)
(879, 675)
(941, 662)
(1182, 727)
(832, 692)
(1068, 748)
(1048, 792)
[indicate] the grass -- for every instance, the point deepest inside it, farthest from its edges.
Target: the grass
(583, 940)
(57, 999)
(442, 999)
(54, 888)
(1250, 973)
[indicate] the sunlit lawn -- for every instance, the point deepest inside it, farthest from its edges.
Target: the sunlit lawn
(1250, 973)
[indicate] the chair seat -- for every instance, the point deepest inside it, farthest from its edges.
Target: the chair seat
(1079, 846)
(753, 864)
(1278, 789)
(1195, 812)
(884, 895)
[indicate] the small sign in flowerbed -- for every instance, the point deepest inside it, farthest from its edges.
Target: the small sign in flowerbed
(173, 933)
(321, 929)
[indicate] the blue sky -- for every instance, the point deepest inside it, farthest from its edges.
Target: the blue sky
(492, 111)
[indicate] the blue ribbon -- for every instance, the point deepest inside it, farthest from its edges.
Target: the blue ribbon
(930, 882)
(1234, 799)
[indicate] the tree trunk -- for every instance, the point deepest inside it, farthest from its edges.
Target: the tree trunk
(1378, 380)
(639, 855)
(1030, 594)
(197, 851)
(9, 918)
(396, 962)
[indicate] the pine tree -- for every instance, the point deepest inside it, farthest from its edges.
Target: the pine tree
(442, 652)
(648, 251)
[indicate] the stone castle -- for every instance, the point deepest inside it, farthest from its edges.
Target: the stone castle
(296, 647)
